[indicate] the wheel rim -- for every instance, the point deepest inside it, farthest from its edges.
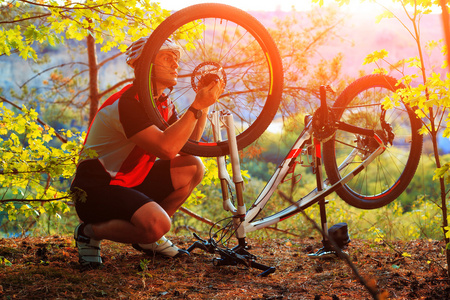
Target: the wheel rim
(382, 176)
(232, 52)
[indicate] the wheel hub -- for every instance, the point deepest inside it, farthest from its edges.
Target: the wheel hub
(206, 72)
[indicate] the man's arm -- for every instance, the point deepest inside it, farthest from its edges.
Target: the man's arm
(200, 127)
(198, 130)
(168, 143)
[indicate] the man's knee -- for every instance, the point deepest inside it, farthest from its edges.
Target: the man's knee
(200, 170)
(153, 231)
(152, 222)
(187, 171)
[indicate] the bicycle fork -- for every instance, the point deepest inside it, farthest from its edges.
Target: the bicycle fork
(239, 254)
(226, 118)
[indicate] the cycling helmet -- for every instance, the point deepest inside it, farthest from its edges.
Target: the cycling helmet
(134, 51)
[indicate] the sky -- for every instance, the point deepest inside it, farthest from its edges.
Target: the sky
(246, 5)
(273, 5)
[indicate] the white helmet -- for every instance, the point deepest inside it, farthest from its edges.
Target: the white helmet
(134, 51)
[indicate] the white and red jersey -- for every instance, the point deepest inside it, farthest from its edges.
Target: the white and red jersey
(118, 119)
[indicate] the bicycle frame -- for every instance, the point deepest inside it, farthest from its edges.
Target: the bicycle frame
(318, 129)
(246, 221)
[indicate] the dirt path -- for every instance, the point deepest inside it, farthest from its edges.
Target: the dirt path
(47, 268)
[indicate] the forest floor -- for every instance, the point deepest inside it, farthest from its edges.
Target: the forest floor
(47, 268)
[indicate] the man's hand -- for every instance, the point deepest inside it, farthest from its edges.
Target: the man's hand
(206, 96)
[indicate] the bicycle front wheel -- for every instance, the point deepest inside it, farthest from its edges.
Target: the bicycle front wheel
(217, 41)
(383, 180)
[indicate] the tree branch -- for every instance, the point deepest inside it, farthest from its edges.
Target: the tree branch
(66, 7)
(59, 136)
(109, 59)
(120, 83)
(34, 200)
(25, 19)
(335, 246)
(51, 68)
(198, 217)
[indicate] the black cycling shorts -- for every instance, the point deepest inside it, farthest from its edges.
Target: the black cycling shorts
(110, 202)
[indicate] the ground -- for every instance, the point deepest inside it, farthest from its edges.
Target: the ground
(47, 268)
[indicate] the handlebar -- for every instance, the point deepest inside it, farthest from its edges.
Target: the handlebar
(230, 257)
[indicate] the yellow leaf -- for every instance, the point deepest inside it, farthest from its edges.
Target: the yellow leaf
(447, 232)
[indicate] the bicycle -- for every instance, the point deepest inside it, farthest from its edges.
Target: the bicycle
(354, 139)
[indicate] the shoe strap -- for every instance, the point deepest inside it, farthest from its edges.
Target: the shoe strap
(89, 251)
(83, 239)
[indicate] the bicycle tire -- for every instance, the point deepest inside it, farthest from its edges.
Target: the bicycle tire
(254, 77)
(389, 174)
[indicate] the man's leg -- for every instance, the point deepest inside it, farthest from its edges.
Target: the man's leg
(147, 225)
(151, 221)
(183, 174)
(119, 214)
(186, 173)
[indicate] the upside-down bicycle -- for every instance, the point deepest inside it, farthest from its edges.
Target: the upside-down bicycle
(369, 153)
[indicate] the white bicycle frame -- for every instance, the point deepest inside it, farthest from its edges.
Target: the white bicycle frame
(246, 221)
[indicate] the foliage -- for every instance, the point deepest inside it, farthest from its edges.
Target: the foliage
(104, 20)
(35, 167)
(427, 90)
(210, 179)
(299, 38)
(34, 29)
(427, 85)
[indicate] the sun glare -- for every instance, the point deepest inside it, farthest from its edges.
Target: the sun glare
(283, 5)
(247, 5)
(354, 6)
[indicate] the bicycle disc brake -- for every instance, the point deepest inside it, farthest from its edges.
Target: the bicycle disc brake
(388, 134)
(368, 144)
(206, 72)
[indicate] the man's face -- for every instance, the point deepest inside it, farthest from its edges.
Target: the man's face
(166, 65)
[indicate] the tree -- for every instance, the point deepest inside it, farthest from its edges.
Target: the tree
(33, 163)
(299, 37)
(29, 25)
(429, 96)
(31, 169)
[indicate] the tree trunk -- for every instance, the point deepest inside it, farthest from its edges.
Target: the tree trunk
(443, 197)
(93, 78)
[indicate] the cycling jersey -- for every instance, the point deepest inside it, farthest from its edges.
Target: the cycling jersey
(119, 161)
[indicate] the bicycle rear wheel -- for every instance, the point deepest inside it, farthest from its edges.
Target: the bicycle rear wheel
(226, 42)
(389, 174)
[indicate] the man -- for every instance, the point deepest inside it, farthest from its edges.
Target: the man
(128, 194)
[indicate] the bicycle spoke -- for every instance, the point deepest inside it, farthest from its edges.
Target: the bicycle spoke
(361, 105)
(219, 41)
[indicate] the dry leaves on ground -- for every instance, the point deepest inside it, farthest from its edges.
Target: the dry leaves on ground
(47, 268)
